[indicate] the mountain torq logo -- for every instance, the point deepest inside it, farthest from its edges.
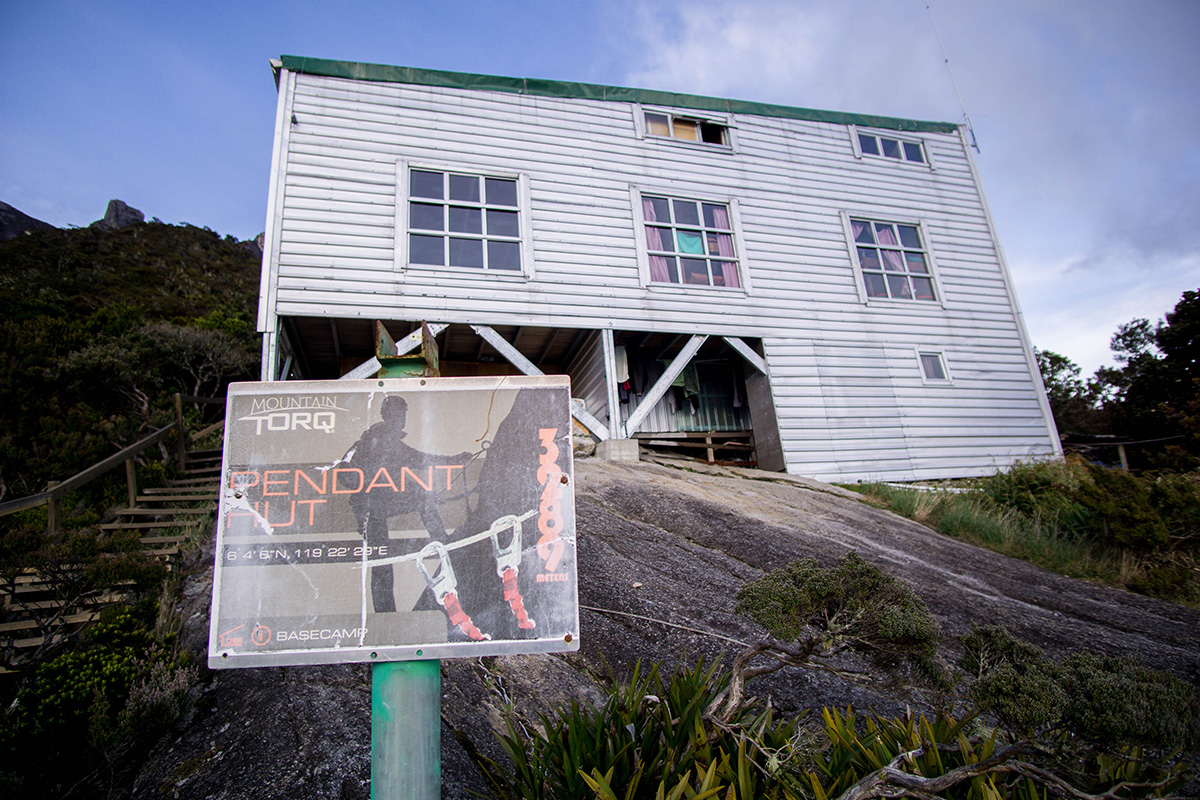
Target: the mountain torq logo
(293, 413)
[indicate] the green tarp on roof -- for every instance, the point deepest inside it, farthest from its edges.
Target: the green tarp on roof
(592, 91)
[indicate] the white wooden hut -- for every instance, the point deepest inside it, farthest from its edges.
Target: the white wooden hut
(820, 292)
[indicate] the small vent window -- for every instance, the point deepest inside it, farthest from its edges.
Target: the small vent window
(933, 367)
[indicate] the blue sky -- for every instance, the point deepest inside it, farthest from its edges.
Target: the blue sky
(1087, 112)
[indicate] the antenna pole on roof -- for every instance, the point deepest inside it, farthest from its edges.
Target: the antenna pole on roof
(957, 93)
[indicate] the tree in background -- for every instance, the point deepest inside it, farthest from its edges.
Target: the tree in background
(1151, 393)
(1074, 402)
(99, 327)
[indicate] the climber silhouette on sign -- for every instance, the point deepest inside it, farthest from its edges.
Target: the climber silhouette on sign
(382, 447)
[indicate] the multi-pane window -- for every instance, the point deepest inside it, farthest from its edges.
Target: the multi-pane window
(689, 242)
(691, 130)
(887, 147)
(462, 220)
(893, 260)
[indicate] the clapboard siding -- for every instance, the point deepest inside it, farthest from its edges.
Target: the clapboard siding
(587, 378)
(847, 385)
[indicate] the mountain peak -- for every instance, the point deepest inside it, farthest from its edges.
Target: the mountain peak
(13, 223)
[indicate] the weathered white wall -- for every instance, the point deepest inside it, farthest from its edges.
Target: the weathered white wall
(850, 399)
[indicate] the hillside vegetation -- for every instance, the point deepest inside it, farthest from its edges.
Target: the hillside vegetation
(100, 326)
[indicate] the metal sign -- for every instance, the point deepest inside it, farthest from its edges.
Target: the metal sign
(395, 520)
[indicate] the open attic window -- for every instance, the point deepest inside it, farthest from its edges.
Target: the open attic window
(688, 129)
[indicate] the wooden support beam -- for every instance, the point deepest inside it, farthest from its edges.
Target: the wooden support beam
(577, 341)
(655, 392)
(131, 481)
(608, 342)
(514, 356)
(550, 340)
(337, 342)
(747, 352)
(598, 428)
(370, 368)
(518, 360)
(413, 340)
(666, 350)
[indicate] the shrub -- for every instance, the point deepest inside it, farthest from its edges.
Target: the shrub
(853, 604)
(1077, 519)
(1120, 510)
(651, 739)
(82, 713)
(1101, 699)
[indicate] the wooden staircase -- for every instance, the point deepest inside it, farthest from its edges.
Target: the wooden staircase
(168, 516)
(33, 612)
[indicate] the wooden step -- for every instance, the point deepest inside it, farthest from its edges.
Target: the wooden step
(201, 472)
(32, 625)
(176, 498)
(162, 539)
(50, 605)
(186, 522)
(195, 511)
(185, 482)
(141, 526)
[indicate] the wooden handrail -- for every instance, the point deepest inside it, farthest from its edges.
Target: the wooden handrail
(125, 456)
(87, 475)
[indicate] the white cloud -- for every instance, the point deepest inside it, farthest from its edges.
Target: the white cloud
(862, 57)
(1085, 111)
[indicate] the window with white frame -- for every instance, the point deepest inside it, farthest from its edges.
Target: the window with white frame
(689, 242)
(933, 366)
(870, 144)
(463, 220)
(689, 129)
(893, 260)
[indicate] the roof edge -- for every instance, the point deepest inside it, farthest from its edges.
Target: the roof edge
(540, 87)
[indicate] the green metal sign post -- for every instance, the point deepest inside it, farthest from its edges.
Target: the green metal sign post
(406, 730)
(406, 696)
(396, 520)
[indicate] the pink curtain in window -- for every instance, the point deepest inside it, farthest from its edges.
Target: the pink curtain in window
(725, 248)
(886, 235)
(729, 271)
(725, 245)
(892, 261)
(659, 272)
(721, 217)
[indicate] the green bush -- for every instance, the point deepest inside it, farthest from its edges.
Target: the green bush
(81, 713)
(1043, 491)
(852, 604)
(1077, 519)
(1121, 511)
(1103, 699)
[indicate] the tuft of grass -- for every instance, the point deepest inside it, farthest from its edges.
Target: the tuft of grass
(1140, 533)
